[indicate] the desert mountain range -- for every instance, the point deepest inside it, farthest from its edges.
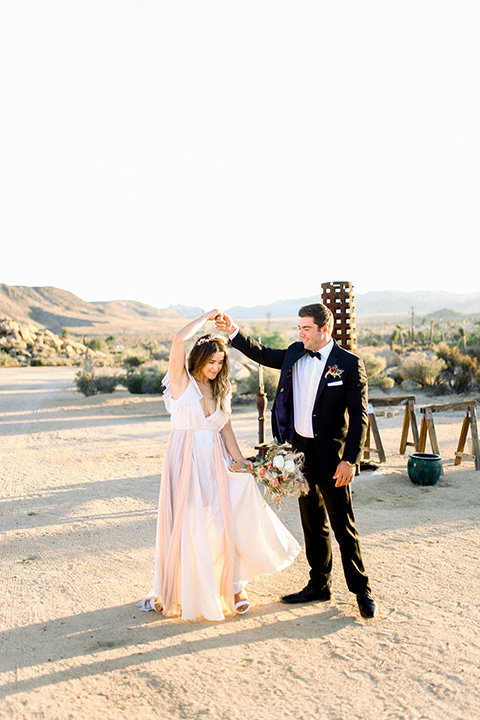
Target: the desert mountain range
(57, 309)
(380, 303)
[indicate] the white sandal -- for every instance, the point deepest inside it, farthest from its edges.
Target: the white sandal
(245, 603)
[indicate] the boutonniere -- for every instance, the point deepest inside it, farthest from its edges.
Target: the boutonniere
(334, 371)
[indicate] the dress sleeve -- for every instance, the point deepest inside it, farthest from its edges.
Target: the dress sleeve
(167, 393)
(190, 393)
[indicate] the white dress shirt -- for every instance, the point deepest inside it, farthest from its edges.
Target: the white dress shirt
(307, 373)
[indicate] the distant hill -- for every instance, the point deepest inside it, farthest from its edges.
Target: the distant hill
(190, 310)
(280, 308)
(55, 309)
(394, 301)
(387, 302)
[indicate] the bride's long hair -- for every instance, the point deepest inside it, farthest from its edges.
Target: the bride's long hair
(202, 351)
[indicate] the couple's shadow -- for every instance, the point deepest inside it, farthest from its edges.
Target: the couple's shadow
(84, 645)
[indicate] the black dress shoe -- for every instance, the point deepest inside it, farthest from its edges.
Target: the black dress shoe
(367, 605)
(309, 594)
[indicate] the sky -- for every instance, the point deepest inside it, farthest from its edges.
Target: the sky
(217, 153)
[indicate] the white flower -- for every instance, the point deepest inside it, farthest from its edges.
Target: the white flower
(278, 462)
(289, 466)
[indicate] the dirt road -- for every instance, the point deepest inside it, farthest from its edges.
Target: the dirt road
(79, 485)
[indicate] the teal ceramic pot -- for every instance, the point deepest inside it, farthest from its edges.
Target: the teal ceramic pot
(424, 468)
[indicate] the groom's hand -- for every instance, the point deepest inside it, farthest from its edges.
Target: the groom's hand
(345, 474)
(225, 323)
(213, 314)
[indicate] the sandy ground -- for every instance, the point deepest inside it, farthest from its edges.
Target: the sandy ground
(79, 486)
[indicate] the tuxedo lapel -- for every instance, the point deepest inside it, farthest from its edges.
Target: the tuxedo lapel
(331, 360)
(297, 351)
(297, 355)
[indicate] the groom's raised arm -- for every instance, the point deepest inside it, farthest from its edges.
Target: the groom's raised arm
(271, 357)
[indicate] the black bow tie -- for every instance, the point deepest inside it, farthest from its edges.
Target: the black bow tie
(314, 354)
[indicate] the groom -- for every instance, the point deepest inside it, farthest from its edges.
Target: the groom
(321, 408)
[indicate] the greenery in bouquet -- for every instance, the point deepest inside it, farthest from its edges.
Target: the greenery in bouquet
(280, 473)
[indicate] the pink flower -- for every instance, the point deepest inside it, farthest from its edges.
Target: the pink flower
(261, 472)
(274, 481)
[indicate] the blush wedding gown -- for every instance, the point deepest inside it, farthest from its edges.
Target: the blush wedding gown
(214, 529)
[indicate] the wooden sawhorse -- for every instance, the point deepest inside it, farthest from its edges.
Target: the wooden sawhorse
(409, 420)
(469, 421)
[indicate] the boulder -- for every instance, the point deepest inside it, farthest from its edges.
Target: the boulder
(410, 385)
(27, 335)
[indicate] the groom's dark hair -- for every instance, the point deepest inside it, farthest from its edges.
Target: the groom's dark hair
(321, 315)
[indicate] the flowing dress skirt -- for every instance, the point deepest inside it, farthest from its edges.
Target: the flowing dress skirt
(215, 530)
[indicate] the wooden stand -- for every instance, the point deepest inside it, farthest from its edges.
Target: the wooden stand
(409, 421)
(372, 427)
(469, 422)
(427, 425)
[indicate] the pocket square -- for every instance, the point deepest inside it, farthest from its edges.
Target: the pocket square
(337, 382)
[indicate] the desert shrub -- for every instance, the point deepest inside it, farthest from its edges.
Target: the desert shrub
(154, 350)
(473, 337)
(145, 381)
(270, 382)
(89, 384)
(132, 361)
(391, 356)
(461, 373)
(40, 361)
(162, 353)
(152, 381)
(422, 368)
(106, 383)
(383, 381)
(271, 339)
(7, 360)
(133, 382)
(474, 351)
(369, 337)
(85, 383)
(375, 366)
(97, 344)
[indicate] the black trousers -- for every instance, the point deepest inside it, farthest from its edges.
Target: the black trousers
(325, 506)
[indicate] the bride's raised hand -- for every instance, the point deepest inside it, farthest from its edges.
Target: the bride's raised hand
(212, 314)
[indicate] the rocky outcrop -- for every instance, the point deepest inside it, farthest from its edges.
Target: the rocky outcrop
(30, 345)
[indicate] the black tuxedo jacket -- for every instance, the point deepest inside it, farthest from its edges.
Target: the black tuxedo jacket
(340, 414)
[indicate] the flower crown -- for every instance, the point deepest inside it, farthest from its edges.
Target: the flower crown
(209, 338)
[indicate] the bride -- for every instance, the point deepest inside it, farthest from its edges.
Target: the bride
(214, 529)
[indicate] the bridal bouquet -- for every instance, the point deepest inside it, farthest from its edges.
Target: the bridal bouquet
(280, 473)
